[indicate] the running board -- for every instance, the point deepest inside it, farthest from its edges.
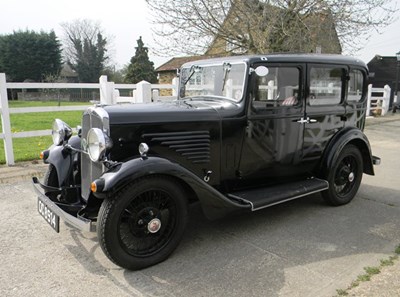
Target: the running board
(265, 197)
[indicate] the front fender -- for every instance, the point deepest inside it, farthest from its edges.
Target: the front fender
(62, 159)
(346, 136)
(214, 203)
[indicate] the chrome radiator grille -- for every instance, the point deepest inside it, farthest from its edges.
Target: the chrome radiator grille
(94, 117)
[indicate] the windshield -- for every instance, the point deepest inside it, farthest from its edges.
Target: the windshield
(225, 80)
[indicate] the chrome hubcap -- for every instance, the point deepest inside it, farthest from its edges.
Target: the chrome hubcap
(351, 177)
(154, 225)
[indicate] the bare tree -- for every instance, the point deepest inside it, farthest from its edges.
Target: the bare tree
(85, 48)
(260, 26)
(78, 30)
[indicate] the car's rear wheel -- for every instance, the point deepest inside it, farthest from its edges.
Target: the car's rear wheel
(143, 223)
(344, 176)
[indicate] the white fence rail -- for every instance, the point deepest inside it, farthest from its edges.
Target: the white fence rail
(378, 104)
(109, 94)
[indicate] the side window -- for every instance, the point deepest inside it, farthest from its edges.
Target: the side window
(279, 87)
(355, 88)
(326, 85)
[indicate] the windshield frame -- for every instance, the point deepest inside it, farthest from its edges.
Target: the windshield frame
(183, 82)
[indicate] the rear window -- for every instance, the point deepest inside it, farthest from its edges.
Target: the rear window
(326, 85)
(355, 88)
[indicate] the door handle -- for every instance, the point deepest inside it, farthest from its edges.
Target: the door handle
(306, 120)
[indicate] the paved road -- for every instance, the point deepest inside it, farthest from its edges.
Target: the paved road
(301, 248)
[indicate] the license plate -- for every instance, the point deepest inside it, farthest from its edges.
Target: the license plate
(50, 217)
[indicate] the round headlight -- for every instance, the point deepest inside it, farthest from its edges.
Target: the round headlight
(60, 132)
(97, 143)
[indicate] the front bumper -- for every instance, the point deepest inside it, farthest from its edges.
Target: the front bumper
(78, 222)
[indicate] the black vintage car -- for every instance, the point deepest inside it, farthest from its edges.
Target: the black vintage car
(246, 133)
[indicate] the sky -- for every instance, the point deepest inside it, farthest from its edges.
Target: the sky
(125, 20)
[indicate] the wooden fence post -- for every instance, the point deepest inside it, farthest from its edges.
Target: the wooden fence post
(386, 99)
(143, 92)
(106, 90)
(155, 95)
(175, 86)
(5, 121)
(369, 94)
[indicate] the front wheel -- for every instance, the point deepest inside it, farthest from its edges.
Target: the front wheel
(143, 223)
(344, 176)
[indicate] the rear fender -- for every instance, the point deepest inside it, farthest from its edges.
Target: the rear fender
(214, 203)
(344, 137)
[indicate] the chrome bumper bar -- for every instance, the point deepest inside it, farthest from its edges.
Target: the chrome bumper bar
(376, 160)
(79, 223)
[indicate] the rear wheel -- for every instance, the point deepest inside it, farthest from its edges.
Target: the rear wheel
(344, 176)
(143, 223)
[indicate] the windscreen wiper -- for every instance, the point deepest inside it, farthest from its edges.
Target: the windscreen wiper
(227, 67)
(192, 70)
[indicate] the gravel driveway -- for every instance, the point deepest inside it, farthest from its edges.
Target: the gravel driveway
(301, 248)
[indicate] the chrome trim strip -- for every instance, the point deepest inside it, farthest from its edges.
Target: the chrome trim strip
(292, 198)
(278, 202)
(237, 198)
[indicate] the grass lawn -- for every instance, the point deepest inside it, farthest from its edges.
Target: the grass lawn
(16, 103)
(29, 148)
(26, 149)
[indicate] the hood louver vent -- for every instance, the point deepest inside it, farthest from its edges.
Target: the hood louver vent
(193, 145)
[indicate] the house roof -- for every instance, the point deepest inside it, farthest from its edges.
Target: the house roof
(67, 71)
(177, 62)
(321, 26)
(384, 67)
(383, 70)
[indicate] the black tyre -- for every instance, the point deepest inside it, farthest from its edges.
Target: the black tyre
(344, 177)
(51, 179)
(143, 223)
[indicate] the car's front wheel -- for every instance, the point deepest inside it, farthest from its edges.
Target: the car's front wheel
(344, 176)
(143, 223)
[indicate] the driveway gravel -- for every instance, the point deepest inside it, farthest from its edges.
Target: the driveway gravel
(301, 248)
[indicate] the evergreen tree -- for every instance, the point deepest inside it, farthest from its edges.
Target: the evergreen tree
(141, 68)
(27, 55)
(90, 59)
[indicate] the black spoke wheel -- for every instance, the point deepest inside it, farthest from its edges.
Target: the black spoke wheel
(143, 223)
(344, 176)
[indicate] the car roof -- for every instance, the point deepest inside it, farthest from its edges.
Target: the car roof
(283, 58)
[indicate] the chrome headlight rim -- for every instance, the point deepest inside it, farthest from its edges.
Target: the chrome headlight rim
(60, 132)
(97, 144)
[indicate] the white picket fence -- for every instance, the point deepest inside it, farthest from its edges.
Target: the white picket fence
(109, 94)
(378, 104)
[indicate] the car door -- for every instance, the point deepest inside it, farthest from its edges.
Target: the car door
(325, 109)
(272, 145)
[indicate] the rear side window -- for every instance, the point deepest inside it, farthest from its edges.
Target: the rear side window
(326, 84)
(355, 88)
